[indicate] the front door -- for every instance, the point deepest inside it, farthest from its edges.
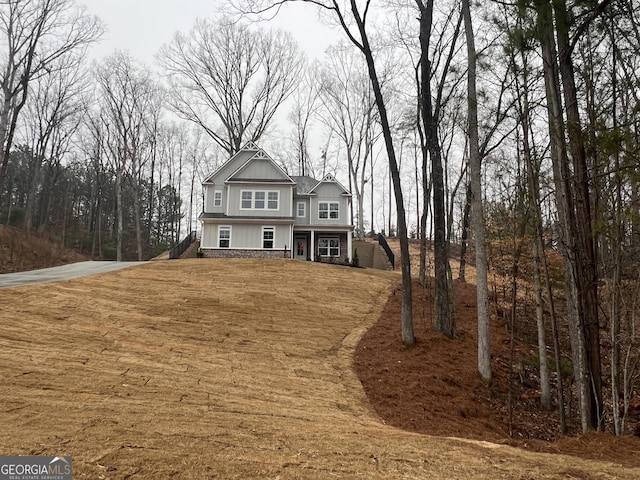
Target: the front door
(301, 248)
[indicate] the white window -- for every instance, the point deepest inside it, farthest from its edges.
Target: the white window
(301, 209)
(329, 247)
(224, 236)
(217, 198)
(247, 200)
(259, 200)
(273, 200)
(268, 234)
(328, 210)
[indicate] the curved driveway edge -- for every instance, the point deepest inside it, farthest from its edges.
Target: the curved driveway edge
(62, 272)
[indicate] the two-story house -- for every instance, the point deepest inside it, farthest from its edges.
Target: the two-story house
(253, 208)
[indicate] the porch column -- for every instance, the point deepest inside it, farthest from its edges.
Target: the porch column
(349, 246)
(292, 240)
(312, 250)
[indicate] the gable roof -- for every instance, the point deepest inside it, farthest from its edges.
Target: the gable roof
(260, 155)
(231, 170)
(241, 156)
(331, 179)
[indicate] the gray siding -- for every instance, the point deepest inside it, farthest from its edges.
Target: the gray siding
(329, 192)
(209, 197)
(246, 236)
(301, 220)
(233, 164)
(284, 200)
(260, 169)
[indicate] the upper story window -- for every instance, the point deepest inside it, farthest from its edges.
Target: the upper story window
(259, 200)
(224, 236)
(301, 209)
(217, 198)
(329, 210)
(272, 203)
(247, 200)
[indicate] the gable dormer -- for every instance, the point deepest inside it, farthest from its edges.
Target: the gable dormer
(330, 181)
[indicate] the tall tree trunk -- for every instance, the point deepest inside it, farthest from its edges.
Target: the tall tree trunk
(477, 218)
(444, 318)
(537, 245)
(406, 320)
(585, 262)
(464, 239)
(564, 203)
(119, 215)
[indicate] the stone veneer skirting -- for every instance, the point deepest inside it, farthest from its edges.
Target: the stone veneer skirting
(237, 253)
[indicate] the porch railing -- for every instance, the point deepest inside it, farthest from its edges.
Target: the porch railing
(180, 248)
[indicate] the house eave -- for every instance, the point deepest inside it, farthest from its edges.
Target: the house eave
(233, 219)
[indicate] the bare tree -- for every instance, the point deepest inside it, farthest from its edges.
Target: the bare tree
(352, 19)
(444, 316)
(305, 100)
(350, 111)
(484, 339)
(35, 34)
(229, 79)
(53, 115)
(127, 98)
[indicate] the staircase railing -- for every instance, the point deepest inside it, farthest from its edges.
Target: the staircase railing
(385, 246)
(180, 248)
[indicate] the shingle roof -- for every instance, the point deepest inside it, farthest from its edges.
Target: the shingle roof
(304, 184)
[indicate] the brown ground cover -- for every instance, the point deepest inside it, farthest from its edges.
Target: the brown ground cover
(239, 369)
(21, 251)
(434, 388)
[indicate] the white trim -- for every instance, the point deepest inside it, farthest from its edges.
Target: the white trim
(273, 238)
(224, 227)
(217, 198)
(265, 200)
(304, 209)
(329, 247)
(329, 203)
(260, 155)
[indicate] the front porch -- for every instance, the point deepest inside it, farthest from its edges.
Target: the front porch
(322, 245)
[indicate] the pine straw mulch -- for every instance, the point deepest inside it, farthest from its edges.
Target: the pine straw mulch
(434, 388)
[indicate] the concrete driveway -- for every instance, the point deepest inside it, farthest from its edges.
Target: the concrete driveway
(63, 272)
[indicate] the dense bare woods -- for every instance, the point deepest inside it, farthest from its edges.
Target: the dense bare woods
(525, 125)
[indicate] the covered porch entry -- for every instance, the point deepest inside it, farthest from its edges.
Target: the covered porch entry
(322, 245)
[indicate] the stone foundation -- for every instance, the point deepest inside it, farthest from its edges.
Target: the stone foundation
(236, 253)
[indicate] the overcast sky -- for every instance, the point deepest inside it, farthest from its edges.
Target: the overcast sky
(143, 26)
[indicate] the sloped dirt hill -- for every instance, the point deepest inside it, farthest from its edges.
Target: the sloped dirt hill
(21, 251)
(236, 369)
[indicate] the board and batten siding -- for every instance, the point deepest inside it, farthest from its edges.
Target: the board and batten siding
(247, 236)
(304, 220)
(209, 196)
(329, 192)
(284, 200)
(259, 169)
